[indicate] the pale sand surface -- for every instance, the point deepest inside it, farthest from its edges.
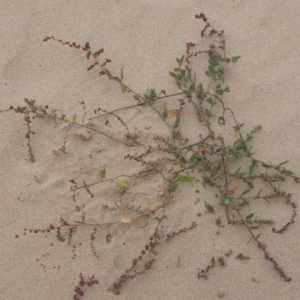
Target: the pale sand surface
(145, 37)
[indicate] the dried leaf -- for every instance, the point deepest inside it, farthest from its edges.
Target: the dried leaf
(202, 149)
(126, 219)
(233, 188)
(171, 113)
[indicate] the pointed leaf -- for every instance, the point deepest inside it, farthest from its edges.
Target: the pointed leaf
(287, 173)
(108, 73)
(123, 87)
(172, 188)
(244, 203)
(250, 216)
(187, 178)
(246, 192)
(102, 174)
(252, 171)
(234, 59)
(122, 74)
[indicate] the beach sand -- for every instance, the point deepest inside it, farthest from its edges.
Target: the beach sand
(144, 37)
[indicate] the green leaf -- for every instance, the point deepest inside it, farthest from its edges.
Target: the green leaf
(102, 174)
(266, 166)
(238, 174)
(252, 172)
(180, 61)
(283, 163)
(226, 200)
(108, 73)
(123, 87)
(287, 173)
(237, 171)
(248, 146)
(123, 184)
(122, 74)
(197, 191)
(199, 88)
(209, 208)
(177, 121)
(229, 253)
(211, 68)
(254, 227)
(250, 216)
(244, 203)
(245, 192)
(187, 178)
(174, 75)
(208, 73)
(258, 193)
(172, 188)
(234, 59)
(74, 119)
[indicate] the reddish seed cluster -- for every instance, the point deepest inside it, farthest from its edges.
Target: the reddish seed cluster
(185, 229)
(268, 257)
(50, 228)
(88, 51)
(132, 272)
(204, 272)
(82, 282)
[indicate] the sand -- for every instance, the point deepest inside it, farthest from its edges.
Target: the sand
(145, 37)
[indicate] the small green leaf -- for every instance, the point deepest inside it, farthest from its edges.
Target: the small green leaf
(218, 221)
(179, 61)
(266, 166)
(197, 191)
(244, 203)
(287, 173)
(209, 208)
(208, 73)
(283, 163)
(254, 227)
(229, 253)
(102, 174)
(123, 184)
(250, 216)
(174, 75)
(199, 88)
(74, 119)
(122, 74)
(234, 59)
(226, 200)
(177, 121)
(172, 188)
(123, 87)
(252, 172)
(245, 192)
(258, 193)
(237, 171)
(240, 175)
(248, 146)
(108, 73)
(211, 68)
(187, 178)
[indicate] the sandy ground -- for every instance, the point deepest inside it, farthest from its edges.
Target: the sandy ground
(145, 37)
